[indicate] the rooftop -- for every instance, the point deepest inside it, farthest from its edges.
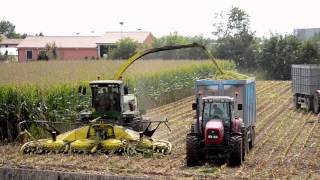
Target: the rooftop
(60, 41)
(217, 98)
(106, 82)
(10, 41)
(113, 37)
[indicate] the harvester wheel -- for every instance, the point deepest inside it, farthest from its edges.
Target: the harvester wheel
(192, 151)
(236, 154)
(295, 101)
(316, 107)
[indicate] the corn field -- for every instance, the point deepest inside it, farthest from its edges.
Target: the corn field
(62, 102)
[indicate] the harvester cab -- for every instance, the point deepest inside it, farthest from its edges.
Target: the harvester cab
(111, 96)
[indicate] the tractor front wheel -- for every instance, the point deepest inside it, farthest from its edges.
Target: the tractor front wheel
(192, 151)
(236, 154)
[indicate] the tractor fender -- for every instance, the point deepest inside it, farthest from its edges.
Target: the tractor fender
(236, 133)
(193, 134)
(236, 125)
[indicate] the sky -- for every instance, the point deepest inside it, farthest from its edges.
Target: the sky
(161, 17)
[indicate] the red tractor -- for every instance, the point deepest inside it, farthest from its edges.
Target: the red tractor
(224, 121)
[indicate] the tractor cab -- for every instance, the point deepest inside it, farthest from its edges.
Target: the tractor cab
(217, 108)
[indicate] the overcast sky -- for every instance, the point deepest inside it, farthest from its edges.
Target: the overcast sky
(188, 17)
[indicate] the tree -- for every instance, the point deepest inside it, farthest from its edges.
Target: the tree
(169, 40)
(279, 52)
(176, 39)
(309, 52)
(51, 50)
(124, 49)
(8, 30)
(40, 34)
(235, 40)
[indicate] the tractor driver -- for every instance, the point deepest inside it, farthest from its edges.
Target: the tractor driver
(103, 100)
(217, 112)
(106, 99)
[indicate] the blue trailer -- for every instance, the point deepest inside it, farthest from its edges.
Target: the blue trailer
(225, 121)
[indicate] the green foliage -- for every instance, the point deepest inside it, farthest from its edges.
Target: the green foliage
(169, 40)
(230, 75)
(125, 48)
(165, 87)
(272, 57)
(236, 41)
(43, 55)
(51, 50)
(279, 52)
(176, 39)
(33, 103)
(8, 29)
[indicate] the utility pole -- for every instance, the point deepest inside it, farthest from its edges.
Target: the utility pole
(121, 23)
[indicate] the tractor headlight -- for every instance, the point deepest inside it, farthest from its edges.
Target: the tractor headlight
(213, 134)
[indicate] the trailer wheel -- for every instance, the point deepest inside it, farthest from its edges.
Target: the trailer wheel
(192, 151)
(295, 101)
(235, 158)
(316, 107)
(309, 103)
(253, 136)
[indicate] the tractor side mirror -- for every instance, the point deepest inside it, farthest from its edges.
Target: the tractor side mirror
(54, 135)
(194, 106)
(126, 90)
(239, 107)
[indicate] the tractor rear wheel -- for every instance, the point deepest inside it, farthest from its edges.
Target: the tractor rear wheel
(316, 107)
(236, 154)
(192, 151)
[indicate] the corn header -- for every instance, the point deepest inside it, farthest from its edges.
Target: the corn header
(97, 136)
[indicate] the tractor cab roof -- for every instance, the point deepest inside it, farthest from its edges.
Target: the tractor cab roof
(102, 82)
(218, 99)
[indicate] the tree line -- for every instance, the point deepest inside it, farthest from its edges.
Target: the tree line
(269, 57)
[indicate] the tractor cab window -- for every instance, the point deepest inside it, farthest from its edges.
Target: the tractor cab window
(216, 111)
(106, 98)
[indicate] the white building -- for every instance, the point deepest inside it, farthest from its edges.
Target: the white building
(9, 46)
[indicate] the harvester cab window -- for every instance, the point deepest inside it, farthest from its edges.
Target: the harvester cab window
(216, 111)
(107, 98)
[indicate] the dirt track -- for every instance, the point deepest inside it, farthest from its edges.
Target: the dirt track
(287, 145)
